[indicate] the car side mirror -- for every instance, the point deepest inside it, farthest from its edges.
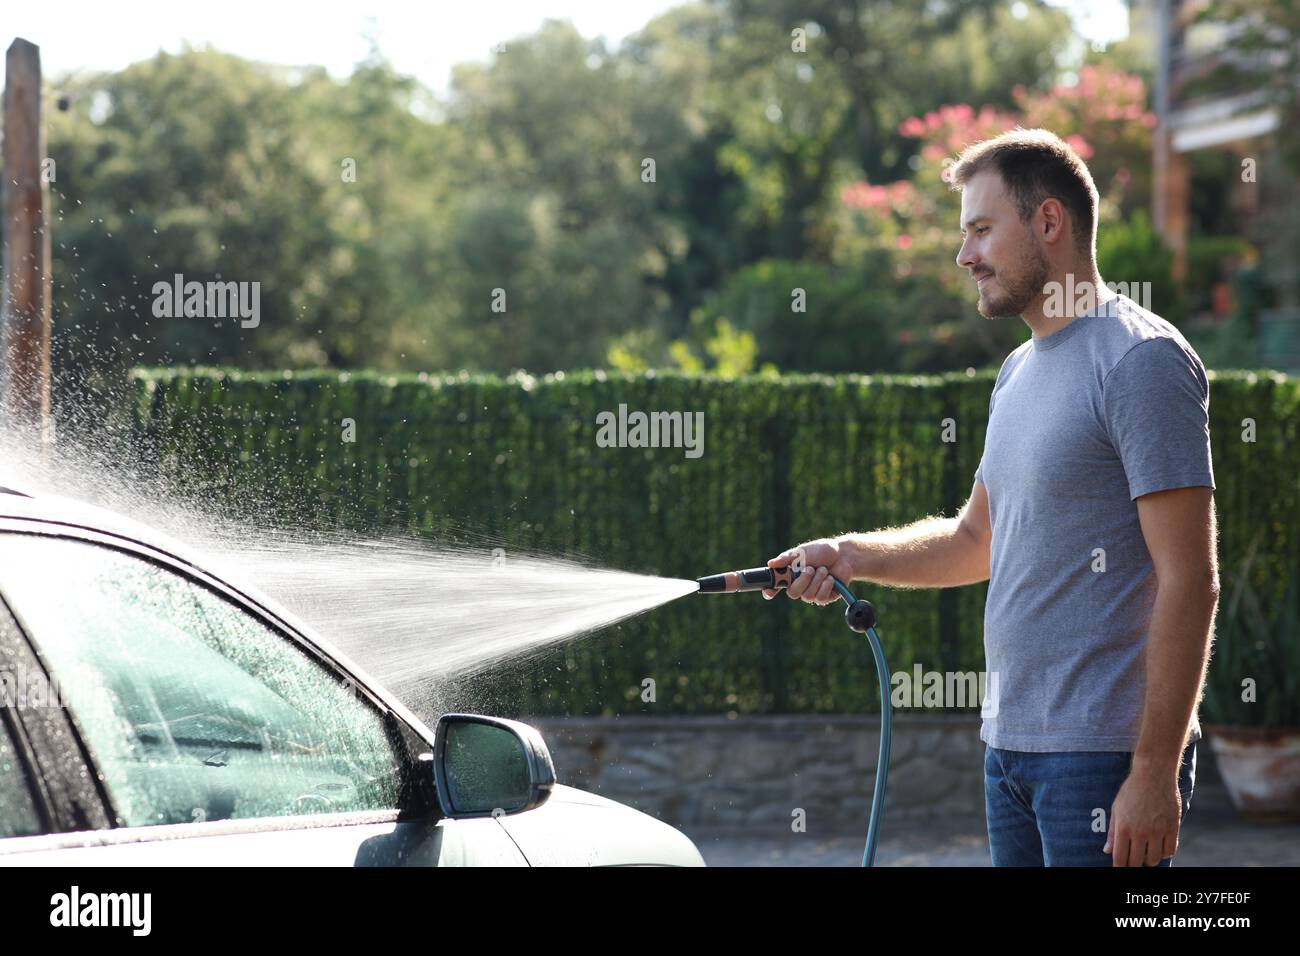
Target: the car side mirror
(489, 766)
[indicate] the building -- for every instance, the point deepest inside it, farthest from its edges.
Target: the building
(1206, 100)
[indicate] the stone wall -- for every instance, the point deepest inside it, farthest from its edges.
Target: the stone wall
(752, 773)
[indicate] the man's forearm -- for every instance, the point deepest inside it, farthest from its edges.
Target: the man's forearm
(1177, 651)
(930, 553)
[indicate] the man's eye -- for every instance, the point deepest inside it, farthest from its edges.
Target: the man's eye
(981, 230)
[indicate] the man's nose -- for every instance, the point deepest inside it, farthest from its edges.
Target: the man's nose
(965, 258)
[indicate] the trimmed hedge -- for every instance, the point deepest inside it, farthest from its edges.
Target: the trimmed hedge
(785, 459)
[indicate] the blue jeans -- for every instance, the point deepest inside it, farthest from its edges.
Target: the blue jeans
(1042, 807)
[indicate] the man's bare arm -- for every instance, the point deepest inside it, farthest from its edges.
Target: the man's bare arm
(1179, 528)
(930, 553)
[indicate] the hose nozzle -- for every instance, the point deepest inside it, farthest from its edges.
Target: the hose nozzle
(753, 579)
(860, 615)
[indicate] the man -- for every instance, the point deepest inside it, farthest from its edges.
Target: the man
(1092, 518)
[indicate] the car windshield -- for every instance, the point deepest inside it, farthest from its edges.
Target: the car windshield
(193, 708)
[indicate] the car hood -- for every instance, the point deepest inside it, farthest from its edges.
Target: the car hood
(576, 828)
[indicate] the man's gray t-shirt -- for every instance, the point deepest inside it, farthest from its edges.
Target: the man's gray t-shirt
(1082, 422)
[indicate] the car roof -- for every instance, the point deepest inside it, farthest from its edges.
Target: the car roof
(46, 513)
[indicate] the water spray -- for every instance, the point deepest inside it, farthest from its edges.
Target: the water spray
(860, 616)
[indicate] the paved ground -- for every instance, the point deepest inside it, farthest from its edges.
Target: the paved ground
(1213, 835)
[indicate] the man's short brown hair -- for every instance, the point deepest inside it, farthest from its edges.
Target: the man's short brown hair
(1035, 164)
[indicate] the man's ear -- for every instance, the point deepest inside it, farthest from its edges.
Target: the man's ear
(1052, 222)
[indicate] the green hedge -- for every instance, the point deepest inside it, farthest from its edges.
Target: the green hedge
(784, 460)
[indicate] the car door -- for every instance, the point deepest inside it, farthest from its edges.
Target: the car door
(213, 735)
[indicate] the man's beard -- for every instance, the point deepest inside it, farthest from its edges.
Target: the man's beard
(1020, 287)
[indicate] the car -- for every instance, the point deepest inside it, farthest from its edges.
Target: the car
(159, 713)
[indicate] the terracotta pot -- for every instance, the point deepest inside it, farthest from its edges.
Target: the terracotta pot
(1261, 769)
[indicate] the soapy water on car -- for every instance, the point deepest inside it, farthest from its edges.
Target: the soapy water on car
(412, 612)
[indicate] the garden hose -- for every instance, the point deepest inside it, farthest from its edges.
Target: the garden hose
(860, 617)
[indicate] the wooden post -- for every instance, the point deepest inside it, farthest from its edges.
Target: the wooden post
(1171, 173)
(25, 300)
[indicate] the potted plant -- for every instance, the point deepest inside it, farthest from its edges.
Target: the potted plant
(1253, 698)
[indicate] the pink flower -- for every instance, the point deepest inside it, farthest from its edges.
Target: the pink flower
(913, 126)
(862, 195)
(904, 241)
(854, 194)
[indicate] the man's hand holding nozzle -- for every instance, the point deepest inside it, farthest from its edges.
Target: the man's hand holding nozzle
(816, 564)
